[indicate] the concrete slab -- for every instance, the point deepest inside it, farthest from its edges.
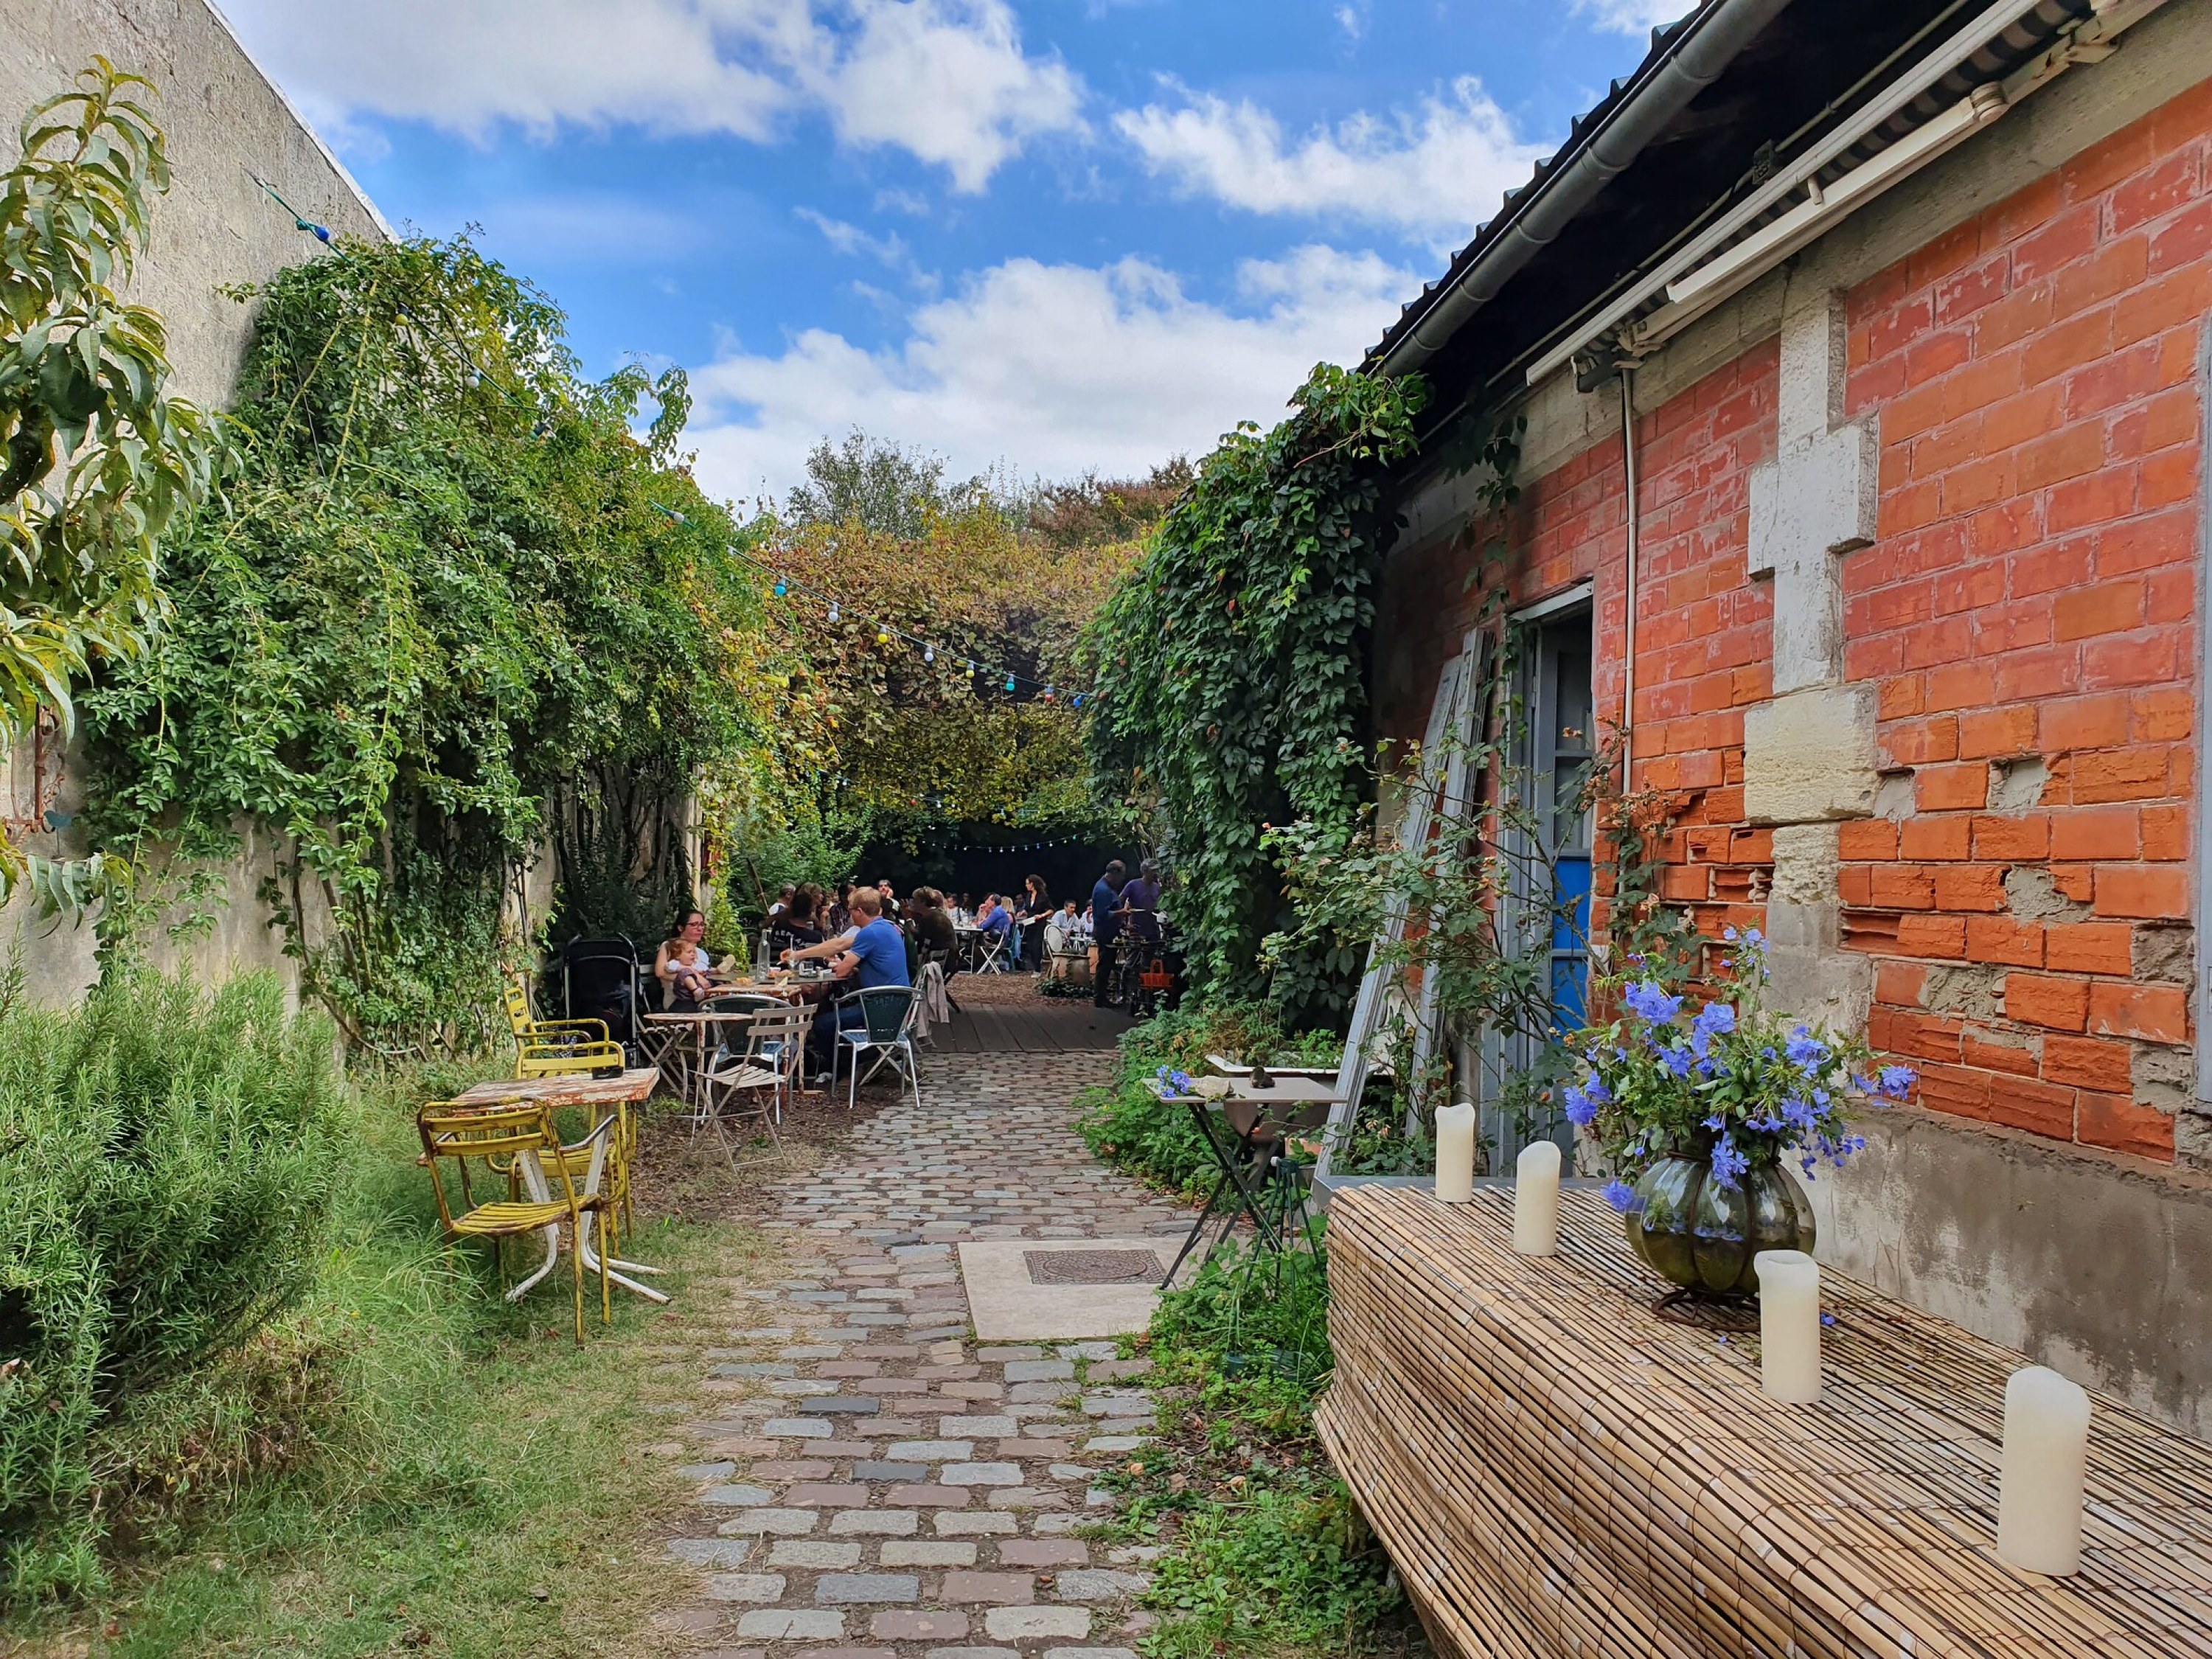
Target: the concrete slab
(1008, 1304)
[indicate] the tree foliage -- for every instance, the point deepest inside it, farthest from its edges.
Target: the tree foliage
(99, 458)
(440, 585)
(1230, 664)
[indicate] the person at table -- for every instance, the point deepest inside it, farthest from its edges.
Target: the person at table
(933, 928)
(776, 911)
(682, 966)
(1063, 930)
(1140, 908)
(873, 954)
(1030, 916)
(798, 925)
(887, 905)
(995, 921)
(836, 915)
(1105, 926)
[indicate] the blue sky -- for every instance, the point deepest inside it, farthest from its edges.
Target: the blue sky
(1045, 235)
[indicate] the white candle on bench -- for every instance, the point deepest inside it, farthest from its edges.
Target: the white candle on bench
(2046, 1453)
(1455, 1153)
(1789, 1326)
(1536, 1200)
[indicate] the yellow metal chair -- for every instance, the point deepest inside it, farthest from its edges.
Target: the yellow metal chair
(558, 1048)
(456, 1133)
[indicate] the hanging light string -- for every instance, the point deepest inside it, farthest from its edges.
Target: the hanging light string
(784, 585)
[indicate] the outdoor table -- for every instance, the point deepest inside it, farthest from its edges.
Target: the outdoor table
(633, 1087)
(1556, 1468)
(699, 1020)
(1252, 1132)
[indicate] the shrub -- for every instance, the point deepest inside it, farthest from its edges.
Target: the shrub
(169, 1160)
(1128, 1125)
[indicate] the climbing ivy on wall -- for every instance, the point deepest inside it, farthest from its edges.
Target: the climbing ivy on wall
(1230, 667)
(433, 589)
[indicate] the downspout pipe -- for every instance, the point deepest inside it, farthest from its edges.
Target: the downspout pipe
(1629, 485)
(1706, 46)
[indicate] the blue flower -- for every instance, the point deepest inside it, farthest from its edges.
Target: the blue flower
(1622, 1197)
(1896, 1081)
(1182, 1081)
(1729, 1165)
(1649, 1002)
(1716, 1122)
(1583, 1103)
(1676, 1060)
(1804, 1048)
(1799, 1116)
(1714, 1019)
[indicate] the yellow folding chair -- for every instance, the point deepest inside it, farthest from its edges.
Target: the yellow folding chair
(558, 1048)
(456, 1133)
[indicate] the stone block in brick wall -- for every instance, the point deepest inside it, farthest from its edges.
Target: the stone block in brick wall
(1808, 756)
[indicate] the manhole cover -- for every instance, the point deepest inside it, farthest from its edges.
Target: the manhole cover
(1091, 1267)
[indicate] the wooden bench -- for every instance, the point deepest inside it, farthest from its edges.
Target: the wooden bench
(1557, 1469)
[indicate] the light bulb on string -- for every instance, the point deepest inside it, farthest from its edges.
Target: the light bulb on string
(1048, 693)
(782, 588)
(883, 636)
(833, 611)
(1009, 682)
(929, 653)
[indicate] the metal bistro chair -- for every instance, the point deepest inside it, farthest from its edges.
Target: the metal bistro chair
(887, 1034)
(991, 951)
(523, 1129)
(762, 1069)
(558, 1047)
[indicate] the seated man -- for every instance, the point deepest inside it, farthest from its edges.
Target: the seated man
(997, 919)
(873, 953)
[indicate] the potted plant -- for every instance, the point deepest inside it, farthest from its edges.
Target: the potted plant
(1700, 1118)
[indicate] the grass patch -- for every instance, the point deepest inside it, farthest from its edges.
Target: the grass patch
(1263, 1550)
(408, 1463)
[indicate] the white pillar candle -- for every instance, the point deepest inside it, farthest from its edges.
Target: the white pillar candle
(1455, 1153)
(1536, 1200)
(1788, 1325)
(2046, 1452)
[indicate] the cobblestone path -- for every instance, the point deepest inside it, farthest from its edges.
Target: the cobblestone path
(873, 1484)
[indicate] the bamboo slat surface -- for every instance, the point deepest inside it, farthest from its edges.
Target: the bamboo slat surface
(1557, 1470)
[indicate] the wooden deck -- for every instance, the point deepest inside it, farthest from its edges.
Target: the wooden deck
(1030, 1026)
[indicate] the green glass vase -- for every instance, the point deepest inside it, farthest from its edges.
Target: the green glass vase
(1695, 1232)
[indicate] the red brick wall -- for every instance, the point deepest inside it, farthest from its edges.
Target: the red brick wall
(2030, 601)
(2032, 598)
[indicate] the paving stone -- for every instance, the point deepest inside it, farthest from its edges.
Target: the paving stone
(1097, 1585)
(930, 1451)
(1040, 1370)
(1117, 1442)
(1029, 1624)
(958, 1523)
(713, 1471)
(827, 1494)
(878, 1469)
(1022, 1352)
(1113, 1371)
(815, 1552)
(858, 1588)
(711, 1551)
(782, 1521)
(873, 1524)
(745, 1586)
(1044, 1553)
(928, 1552)
(1000, 1586)
(733, 1498)
(1089, 1350)
(972, 1653)
(911, 1625)
(1118, 1402)
(976, 1428)
(981, 1475)
(1086, 1653)
(792, 1625)
(800, 1387)
(843, 1405)
(798, 1428)
(1054, 1525)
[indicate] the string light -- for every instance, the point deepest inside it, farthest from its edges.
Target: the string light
(833, 611)
(929, 653)
(782, 587)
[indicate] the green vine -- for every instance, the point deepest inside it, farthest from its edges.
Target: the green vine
(1230, 666)
(433, 605)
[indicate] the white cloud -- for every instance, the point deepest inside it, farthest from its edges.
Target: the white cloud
(851, 240)
(1436, 172)
(1049, 369)
(1633, 16)
(947, 80)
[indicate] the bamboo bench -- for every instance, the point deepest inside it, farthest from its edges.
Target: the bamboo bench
(1557, 1470)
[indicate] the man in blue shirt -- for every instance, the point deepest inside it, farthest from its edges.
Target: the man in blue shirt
(995, 918)
(873, 953)
(1105, 900)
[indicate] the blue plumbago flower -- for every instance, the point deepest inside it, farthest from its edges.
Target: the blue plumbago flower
(1729, 1165)
(1804, 1048)
(1705, 1068)
(1729, 934)
(1806, 1163)
(1896, 1081)
(1827, 1319)
(1714, 1019)
(1676, 1060)
(1716, 1122)
(1622, 1197)
(1765, 1126)
(1581, 1103)
(1182, 1081)
(1649, 1002)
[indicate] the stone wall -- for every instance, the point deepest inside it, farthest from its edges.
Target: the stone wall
(1918, 646)
(225, 122)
